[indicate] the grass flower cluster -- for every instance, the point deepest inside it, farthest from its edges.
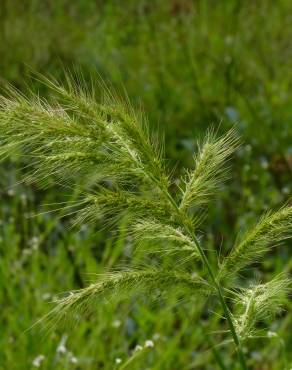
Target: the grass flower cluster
(118, 163)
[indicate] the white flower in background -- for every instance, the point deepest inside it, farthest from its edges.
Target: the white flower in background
(61, 347)
(138, 348)
(23, 198)
(34, 242)
(264, 162)
(118, 360)
(286, 190)
(156, 336)
(271, 334)
(38, 361)
(72, 358)
(46, 296)
(26, 251)
(116, 323)
(11, 192)
(248, 148)
(149, 344)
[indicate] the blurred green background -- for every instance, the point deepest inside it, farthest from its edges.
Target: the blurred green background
(188, 65)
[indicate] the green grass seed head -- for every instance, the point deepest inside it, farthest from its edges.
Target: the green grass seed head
(109, 146)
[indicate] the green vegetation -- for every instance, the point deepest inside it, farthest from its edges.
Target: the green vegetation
(190, 65)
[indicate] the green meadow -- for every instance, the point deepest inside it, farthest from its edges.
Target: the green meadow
(189, 66)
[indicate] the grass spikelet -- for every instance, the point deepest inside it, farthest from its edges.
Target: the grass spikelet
(272, 228)
(155, 231)
(209, 171)
(108, 140)
(122, 284)
(115, 204)
(260, 302)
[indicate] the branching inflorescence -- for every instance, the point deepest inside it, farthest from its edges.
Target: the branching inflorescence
(108, 145)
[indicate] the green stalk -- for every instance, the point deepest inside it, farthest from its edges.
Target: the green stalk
(217, 286)
(223, 303)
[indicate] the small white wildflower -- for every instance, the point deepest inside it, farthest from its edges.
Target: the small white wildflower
(10, 192)
(116, 323)
(72, 358)
(34, 242)
(149, 344)
(84, 228)
(61, 349)
(118, 360)
(138, 348)
(248, 148)
(285, 190)
(26, 251)
(271, 334)
(264, 162)
(46, 296)
(156, 336)
(38, 360)
(23, 198)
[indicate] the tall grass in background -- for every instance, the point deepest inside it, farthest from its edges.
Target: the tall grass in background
(125, 176)
(190, 64)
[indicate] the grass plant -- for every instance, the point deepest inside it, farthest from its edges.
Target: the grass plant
(124, 175)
